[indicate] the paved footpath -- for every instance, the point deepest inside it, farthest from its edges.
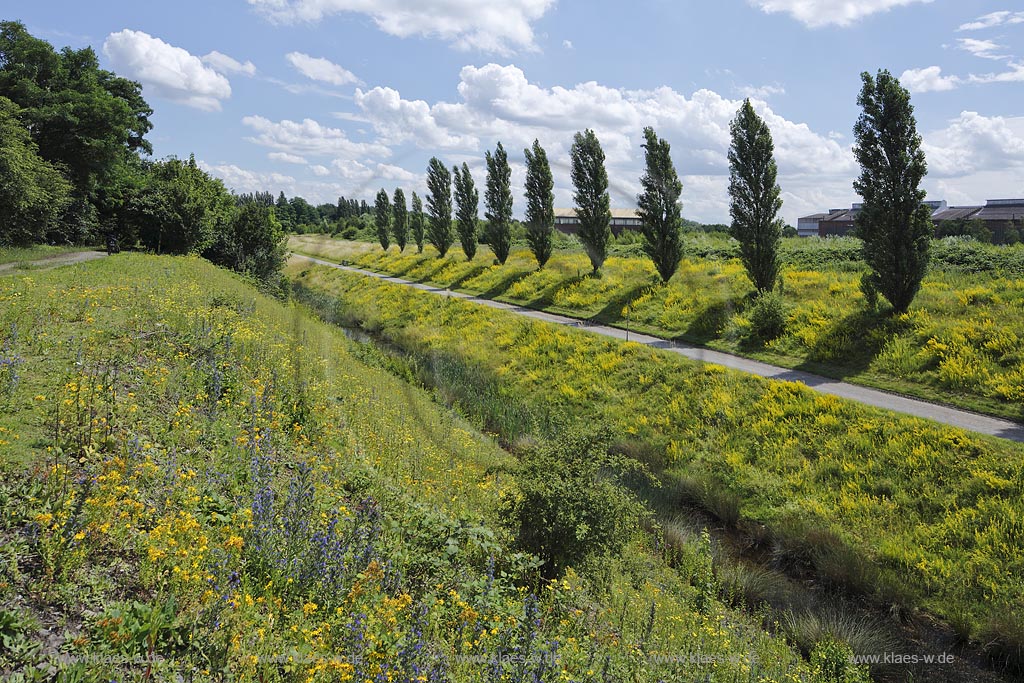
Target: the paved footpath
(993, 426)
(52, 261)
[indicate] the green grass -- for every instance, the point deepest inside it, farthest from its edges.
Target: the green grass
(902, 510)
(960, 344)
(212, 481)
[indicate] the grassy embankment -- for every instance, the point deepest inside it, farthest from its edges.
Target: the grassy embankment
(199, 481)
(911, 513)
(962, 342)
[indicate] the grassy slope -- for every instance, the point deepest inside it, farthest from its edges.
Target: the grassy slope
(195, 472)
(960, 344)
(906, 510)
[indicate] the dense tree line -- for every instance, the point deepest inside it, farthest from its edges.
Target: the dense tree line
(74, 169)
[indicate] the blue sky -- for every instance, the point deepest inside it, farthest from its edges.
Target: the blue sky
(341, 97)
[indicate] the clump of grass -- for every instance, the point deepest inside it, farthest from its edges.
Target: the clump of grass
(748, 584)
(1002, 638)
(864, 634)
(711, 495)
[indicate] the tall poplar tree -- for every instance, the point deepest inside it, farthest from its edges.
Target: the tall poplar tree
(894, 223)
(400, 218)
(416, 222)
(659, 207)
(540, 203)
(592, 201)
(439, 204)
(498, 200)
(467, 201)
(755, 201)
(382, 217)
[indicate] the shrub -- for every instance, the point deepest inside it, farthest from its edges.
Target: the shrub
(569, 506)
(833, 660)
(768, 317)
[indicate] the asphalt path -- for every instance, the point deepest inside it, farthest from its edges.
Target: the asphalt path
(954, 417)
(52, 261)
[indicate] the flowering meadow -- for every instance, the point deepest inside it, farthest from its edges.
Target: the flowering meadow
(962, 342)
(906, 512)
(201, 483)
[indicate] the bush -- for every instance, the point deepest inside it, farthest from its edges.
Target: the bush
(768, 317)
(569, 506)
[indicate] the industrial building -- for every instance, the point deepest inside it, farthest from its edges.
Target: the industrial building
(622, 219)
(1002, 217)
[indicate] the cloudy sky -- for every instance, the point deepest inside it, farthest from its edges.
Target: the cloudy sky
(341, 97)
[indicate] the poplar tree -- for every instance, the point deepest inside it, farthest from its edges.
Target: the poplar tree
(659, 207)
(467, 200)
(439, 204)
(540, 203)
(498, 199)
(590, 179)
(416, 222)
(400, 218)
(382, 209)
(754, 195)
(894, 223)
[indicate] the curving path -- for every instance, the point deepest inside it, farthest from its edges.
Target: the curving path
(954, 417)
(54, 261)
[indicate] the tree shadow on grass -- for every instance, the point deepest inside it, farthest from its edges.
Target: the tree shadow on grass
(850, 344)
(712, 319)
(468, 275)
(547, 295)
(442, 263)
(420, 260)
(612, 311)
(504, 284)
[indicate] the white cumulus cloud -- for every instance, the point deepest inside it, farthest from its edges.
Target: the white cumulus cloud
(928, 79)
(228, 65)
(818, 13)
(974, 143)
(309, 137)
(243, 180)
(320, 69)
(489, 25)
(165, 70)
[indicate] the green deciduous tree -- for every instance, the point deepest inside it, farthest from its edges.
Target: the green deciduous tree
(382, 218)
(181, 208)
(498, 200)
(83, 119)
(754, 195)
(33, 194)
(590, 179)
(467, 203)
(416, 222)
(400, 219)
(540, 204)
(252, 242)
(439, 204)
(894, 224)
(659, 207)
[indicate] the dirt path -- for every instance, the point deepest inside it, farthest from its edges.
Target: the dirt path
(53, 261)
(954, 417)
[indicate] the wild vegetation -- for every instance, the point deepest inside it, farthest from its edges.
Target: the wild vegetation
(202, 482)
(906, 512)
(957, 343)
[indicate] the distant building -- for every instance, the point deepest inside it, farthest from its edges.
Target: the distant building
(622, 219)
(1004, 218)
(808, 225)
